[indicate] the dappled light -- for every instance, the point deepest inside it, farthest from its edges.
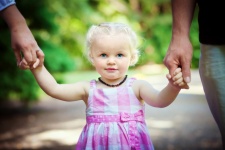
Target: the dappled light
(32, 120)
(60, 28)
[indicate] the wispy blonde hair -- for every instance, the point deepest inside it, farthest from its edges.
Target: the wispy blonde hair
(113, 29)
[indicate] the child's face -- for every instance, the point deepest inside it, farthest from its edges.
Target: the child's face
(111, 56)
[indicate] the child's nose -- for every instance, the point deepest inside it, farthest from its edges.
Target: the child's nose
(111, 60)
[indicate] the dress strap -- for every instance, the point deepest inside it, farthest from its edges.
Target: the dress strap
(92, 84)
(130, 81)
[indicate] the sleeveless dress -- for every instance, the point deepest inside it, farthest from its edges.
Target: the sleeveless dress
(115, 120)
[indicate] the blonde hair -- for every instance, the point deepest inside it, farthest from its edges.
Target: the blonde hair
(113, 29)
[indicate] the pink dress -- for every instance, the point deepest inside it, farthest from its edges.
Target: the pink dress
(115, 120)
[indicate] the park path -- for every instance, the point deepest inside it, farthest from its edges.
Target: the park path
(186, 124)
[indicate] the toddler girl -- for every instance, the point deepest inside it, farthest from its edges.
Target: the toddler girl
(115, 102)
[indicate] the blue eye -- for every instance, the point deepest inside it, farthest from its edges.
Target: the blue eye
(120, 55)
(103, 55)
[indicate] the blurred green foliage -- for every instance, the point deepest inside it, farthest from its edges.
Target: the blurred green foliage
(60, 28)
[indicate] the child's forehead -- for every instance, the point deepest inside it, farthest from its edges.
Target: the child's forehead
(110, 50)
(111, 39)
(111, 43)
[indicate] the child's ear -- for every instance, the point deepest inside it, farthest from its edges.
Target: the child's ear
(132, 60)
(91, 60)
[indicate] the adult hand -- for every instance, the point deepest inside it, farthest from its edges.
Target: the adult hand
(23, 41)
(177, 79)
(24, 65)
(179, 54)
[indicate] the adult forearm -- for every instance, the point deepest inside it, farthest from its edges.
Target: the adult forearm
(182, 12)
(13, 17)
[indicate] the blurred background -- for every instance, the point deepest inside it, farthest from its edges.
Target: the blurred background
(60, 28)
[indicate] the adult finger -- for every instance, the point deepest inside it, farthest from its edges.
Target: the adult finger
(171, 63)
(40, 56)
(186, 72)
(28, 56)
(18, 57)
(34, 55)
(186, 86)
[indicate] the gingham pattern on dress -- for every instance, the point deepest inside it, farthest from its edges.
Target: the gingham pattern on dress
(115, 120)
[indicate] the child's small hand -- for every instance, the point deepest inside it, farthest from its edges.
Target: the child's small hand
(177, 79)
(24, 65)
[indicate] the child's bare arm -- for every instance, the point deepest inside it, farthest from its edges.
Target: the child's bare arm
(167, 95)
(66, 92)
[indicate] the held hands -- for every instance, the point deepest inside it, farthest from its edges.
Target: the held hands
(23, 64)
(23, 41)
(179, 54)
(177, 79)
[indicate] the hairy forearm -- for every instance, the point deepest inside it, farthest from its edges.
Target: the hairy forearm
(182, 12)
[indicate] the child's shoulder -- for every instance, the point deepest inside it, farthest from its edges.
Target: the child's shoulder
(88, 82)
(85, 85)
(136, 80)
(139, 82)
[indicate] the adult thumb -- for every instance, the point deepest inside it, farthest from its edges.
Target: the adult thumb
(186, 72)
